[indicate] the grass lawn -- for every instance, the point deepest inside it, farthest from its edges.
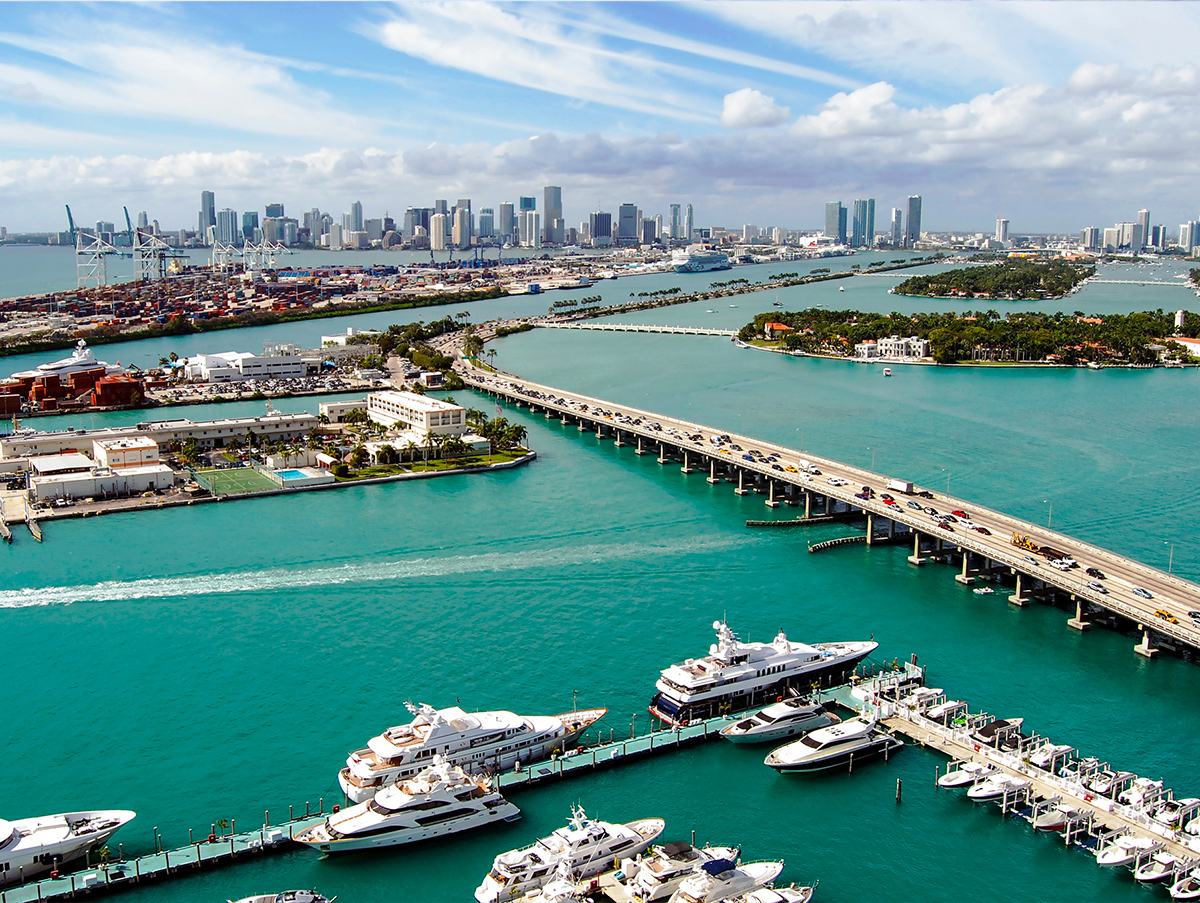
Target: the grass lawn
(387, 470)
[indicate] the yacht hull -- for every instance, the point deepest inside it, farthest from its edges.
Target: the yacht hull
(401, 836)
(841, 758)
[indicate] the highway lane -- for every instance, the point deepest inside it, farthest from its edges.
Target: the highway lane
(1170, 594)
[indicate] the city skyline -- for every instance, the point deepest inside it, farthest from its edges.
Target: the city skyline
(758, 113)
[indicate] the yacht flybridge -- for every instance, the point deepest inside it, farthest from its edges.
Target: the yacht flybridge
(480, 741)
(33, 846)
(737, 676)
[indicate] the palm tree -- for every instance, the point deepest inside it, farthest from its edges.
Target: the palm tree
(515, 435)
(251, 439)
(411, 448)
(359, 457)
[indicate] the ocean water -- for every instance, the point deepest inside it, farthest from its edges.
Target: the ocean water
(221, 661)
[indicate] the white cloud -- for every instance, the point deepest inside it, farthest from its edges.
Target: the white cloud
(750, 109)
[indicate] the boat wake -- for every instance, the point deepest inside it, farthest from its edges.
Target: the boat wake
(349, 574)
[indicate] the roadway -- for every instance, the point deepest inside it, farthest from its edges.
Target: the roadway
(842, 482)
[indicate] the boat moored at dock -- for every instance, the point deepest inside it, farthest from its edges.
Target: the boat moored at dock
(788, 718)
(480, 741)
(723, 879)
(856, 739)
(737, 676)
(288, 896)
(34, 846)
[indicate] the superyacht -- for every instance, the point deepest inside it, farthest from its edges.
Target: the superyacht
(30, 847)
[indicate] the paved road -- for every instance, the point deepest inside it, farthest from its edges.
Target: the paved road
(1168, 594)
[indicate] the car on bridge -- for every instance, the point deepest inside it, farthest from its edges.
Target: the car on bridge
(1097, 587)
(915, 506)
(1095, 572)
(1166, 616)
(1144, 593)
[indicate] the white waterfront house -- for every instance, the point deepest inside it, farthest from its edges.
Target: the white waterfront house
(231, 366)
(894, 346)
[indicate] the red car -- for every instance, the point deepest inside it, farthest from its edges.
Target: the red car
(961, 514)
(945, 526)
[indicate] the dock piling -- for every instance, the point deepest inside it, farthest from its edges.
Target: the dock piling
(898, 786)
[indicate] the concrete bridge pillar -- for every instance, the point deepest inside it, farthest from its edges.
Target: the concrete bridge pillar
(771, 503)
(966, 578)
(712, 472)
(807, 505)
(662, 453)
(742, 490)
(640, 450)
(891, 528)
(687, 468)
(1018, 598)
(1144, 647)
(870, 529)
(617, 438)
(1077, 622)
(599, 430)
(916, 557)
(583, 427)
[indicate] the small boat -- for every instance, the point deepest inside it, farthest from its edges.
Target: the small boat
(657, 875)
(710, 311)
(983, 591)
(288, 896)
(841, 288)
(887, 371)
(1141, 792)
(1175, 812)
(965, 775)
(834, 747)
(1055, 818)
(921, 697)
(995, 786)
(1187, 887)
(947, 711)
(1003, 734)
(1159, 867)
(1106, 781)
(788, 718)
(1047, 754)
(1123, 850)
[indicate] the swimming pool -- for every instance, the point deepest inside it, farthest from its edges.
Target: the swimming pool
(292, 474)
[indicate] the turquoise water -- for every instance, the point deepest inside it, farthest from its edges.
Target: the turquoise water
(219, 661)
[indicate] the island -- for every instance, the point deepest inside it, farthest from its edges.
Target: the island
(1011, 280)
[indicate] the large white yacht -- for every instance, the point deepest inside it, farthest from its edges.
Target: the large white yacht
(442, 799)
(720, 880)
(790, 718)
(82, 358)
(736, 676)
(480, 741)
(33, 846)
(659, 873)
(583, 847)
(288, 896)
(856, 739)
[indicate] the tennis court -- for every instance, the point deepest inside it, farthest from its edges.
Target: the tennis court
(235, 481)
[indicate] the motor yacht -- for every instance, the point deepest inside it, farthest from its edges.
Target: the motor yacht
(82, 358)
(583, 846)
(441, 799)
(789, 718)
(1141, 793)
(995, 786)
(1047, 754)
(1187, 887)
(656, 875)
(288, 896)
(1123, 850)
(30, 847)
(1175, 812)
(721, 879)
(480, 741)
(737, 676)
(966, 775)
(921, 698)
(840, 745)
(1158, 867)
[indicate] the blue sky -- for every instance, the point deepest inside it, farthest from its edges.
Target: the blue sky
(1056, 115)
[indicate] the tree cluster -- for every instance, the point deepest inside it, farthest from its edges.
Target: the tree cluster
(1010, 280)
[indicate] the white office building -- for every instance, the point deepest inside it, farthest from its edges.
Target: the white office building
(419, 413)
(229, 366)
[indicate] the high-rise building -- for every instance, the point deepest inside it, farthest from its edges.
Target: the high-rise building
(334, 234)
(1001, 229)
(1158, 237)
(143, 220)
(528, 204)
(529, 227)
(897, 237)
(461, 232)
(374, 229)
(552, 210)
(442, 206)
(676, 223)
(437, 230)
(649, 232)
(835, 222)
(228, 232)
(1089, 239)
(250, 225)
(689, 225)
(1112, 239)
(912, 233)
(507, 225)
(275, 210)
(627, 222)
(208, 216)
(600, 228)
(487, 223)
(749, 233)
(863, 233)
(658, 228)
(1144, 222)
(356, 217)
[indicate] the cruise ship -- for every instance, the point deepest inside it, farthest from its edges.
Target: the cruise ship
(30, 847)
(582, 848)
(480, 741)
(699, 259)
(442, 799)
(737, 676)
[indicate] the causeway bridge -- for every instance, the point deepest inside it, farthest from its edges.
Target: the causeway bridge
(1130, 593)
(638, 327)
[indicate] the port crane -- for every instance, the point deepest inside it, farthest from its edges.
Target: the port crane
(150, 253)
(91, 255)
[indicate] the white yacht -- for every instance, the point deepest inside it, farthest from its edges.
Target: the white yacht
(721, 879)
(82, 358)
(737, 676)
(965, 775)
(1158, 867)
(583, 846)
(657, 874)
(1055, 818)
(442, 799)
(995, 786)
(1048, 753)
(856, 739)
(789, 894)
(1106, 781)
(30, 847)
(1187, 887)
(789, 718)
(288, 896)
(480, 741)
(1176, 812)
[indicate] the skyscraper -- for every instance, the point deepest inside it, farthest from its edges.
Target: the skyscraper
(437, 230)
(1001, 229)
(228, 232)
(464, 204)
(507, 225)
(250, 224)
(600, 228)
(627, 223)
(1089, 239)
(897, 227)
(1144, 222)
(863, 234)
(676, 225)
(487, 223)
(143, 220)
(552, 211)
(528, 204)
(835, 221)
(208, 216)
(356, 217)
(912, 233)
(688, 224)
(275, 210)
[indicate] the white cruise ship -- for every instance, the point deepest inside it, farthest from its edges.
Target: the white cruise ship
(481, 741)
(30, 847)
(699, 259)
(582, 848)
(442, 799)
(737, 676)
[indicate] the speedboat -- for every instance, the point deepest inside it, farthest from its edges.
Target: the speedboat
(721, 879)
(1047, 754)
(737, 676)
(995, 786)
(33, 846)
(1055, 818)
(833, 747)
(1141, 793)
(921, 697)
(965, 775)
(781, 719)
(789, 894)
(1175, 812)
(1106, 781)
(656, 876)
(288, 896)
(983, 591)
(887, 371)
(442, 799)
(494, 741)
(1003, 734)
(1123, 850)
(1158, 867)
(1187, 887)
(584, 846)
(947, 711)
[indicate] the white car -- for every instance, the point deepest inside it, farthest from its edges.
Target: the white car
(837, 481)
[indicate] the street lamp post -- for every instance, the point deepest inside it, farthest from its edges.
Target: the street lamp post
(1171, 559)
(947, 473)
(872, 451)
(1050, 516)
